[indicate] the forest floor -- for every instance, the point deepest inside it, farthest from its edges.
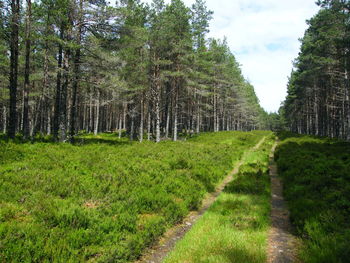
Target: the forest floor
(282, 244)
(166, 244)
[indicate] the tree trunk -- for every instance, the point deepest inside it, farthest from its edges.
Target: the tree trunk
(176, 106)
(157, 112)
(64, 97)
(48, 121)
(215, 113)
(12, 124)
(120, 126)
(90, 113)
(76, 72)
(198, 119)
(141, 118)
(4, 118)
(149, 126)
(97, 115)
(58, 107)
(132, 125)
(124, 115)
(27, 72)
(167, 121)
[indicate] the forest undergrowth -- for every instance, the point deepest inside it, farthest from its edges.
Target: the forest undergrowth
(316, 175)
(104, 199)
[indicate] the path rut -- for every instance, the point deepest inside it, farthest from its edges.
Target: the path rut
(282, 244)
(158, 252)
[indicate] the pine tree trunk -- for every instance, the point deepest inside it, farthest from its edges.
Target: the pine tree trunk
(132, 126)
(120, 126)
(215, 113)
(12, 124)
(58, 108)
(27, 71)
(46, 87)
(90, 113)
(167, 126)
(149, 126)
(176, 106)
(48, 121)
(125, 105)
(198, 119)
(97, 114)
(76, 72)
(157, 112)
(64, 97)
(141, 118)
(4, 119)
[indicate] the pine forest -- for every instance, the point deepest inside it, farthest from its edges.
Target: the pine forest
(174, 131)
(148, 70)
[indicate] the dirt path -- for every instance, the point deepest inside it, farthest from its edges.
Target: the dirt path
(157, 253)
(282, 245)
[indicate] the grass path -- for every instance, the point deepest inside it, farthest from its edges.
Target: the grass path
(282, 244)
(166, 244)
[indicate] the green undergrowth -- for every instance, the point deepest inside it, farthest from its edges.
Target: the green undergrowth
(104, 199)
(316, 175)
(234, 229)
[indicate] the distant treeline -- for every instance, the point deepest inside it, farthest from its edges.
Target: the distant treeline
(318, 100)
(73, 65)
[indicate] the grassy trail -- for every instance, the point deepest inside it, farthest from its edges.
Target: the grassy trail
(234, 228)
(168, 242)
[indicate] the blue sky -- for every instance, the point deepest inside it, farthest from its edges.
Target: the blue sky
(263, 35)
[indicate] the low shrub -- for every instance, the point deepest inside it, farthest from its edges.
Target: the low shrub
(104, 199)
(316, 175)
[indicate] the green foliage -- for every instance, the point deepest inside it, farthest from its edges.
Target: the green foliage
(316, 175)
(104, 199)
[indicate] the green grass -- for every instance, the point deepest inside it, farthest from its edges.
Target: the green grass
(234, 229)
(104, 199)
(316, 175)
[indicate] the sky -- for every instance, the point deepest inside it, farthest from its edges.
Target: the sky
(264, 37)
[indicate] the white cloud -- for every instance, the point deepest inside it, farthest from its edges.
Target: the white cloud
(263, 35)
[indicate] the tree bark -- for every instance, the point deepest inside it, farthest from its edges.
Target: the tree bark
(4, 119)
(64, 97)
(27, 71)
(176, 109)
(12, 124)
(141, 118)
(120, 126)
(58, 107)
(97, 115)
(76, 72)
(149, 126)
